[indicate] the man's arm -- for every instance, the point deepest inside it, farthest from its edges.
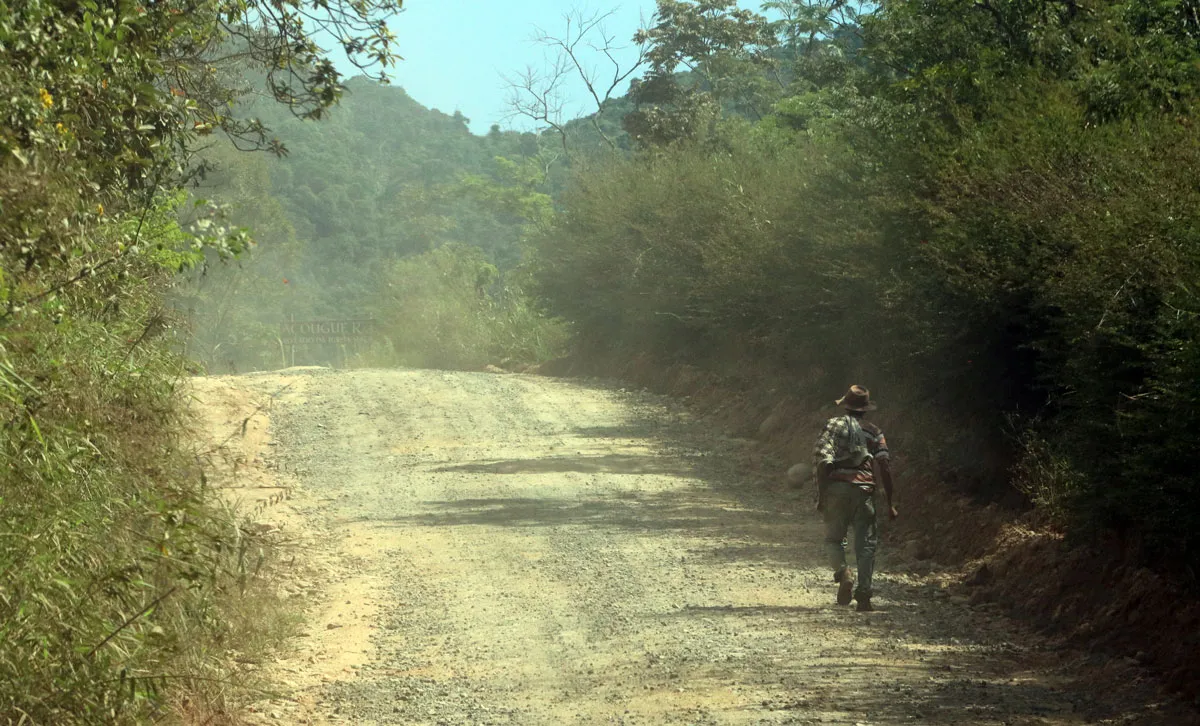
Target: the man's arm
(883, 468)
(822, 472)
(822, 480)
(823, 461)
(885, 476)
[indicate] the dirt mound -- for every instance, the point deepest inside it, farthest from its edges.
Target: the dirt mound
(1096, 598)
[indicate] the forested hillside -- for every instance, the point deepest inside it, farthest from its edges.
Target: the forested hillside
(344, 222)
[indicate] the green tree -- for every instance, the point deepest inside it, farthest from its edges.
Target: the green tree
(724, 50)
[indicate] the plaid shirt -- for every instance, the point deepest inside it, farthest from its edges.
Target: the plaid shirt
(834, 445)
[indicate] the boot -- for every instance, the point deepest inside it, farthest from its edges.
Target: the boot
(845, 585)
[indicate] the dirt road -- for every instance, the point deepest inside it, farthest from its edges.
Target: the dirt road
(503, 549)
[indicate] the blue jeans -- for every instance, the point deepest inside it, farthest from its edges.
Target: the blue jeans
(846, 506)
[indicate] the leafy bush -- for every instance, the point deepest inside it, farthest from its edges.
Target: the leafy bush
(680, 250)
(450, 308)
(1074, 246)
(118, 575)
(992, 207)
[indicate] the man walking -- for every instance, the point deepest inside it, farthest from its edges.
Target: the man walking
(849, 454)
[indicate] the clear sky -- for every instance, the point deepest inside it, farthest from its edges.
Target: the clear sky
(455, 51)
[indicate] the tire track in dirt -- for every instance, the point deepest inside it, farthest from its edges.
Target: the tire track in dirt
(508, 549)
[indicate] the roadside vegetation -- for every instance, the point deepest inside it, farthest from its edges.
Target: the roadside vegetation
(447, 308)
(123, 582)
(986, 209)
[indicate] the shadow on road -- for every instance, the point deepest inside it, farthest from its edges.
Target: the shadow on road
(670, 511)
(609, 464)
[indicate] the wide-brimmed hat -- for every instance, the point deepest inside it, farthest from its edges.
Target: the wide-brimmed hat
(856, 399)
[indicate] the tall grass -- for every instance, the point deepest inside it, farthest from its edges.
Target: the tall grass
(120, 576)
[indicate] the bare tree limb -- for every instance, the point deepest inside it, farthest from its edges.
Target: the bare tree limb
(584, 35)
(538, 96)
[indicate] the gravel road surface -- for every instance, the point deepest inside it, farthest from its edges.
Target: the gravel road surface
(505, 549)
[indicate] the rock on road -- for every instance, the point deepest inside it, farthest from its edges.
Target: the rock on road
(507, 549)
